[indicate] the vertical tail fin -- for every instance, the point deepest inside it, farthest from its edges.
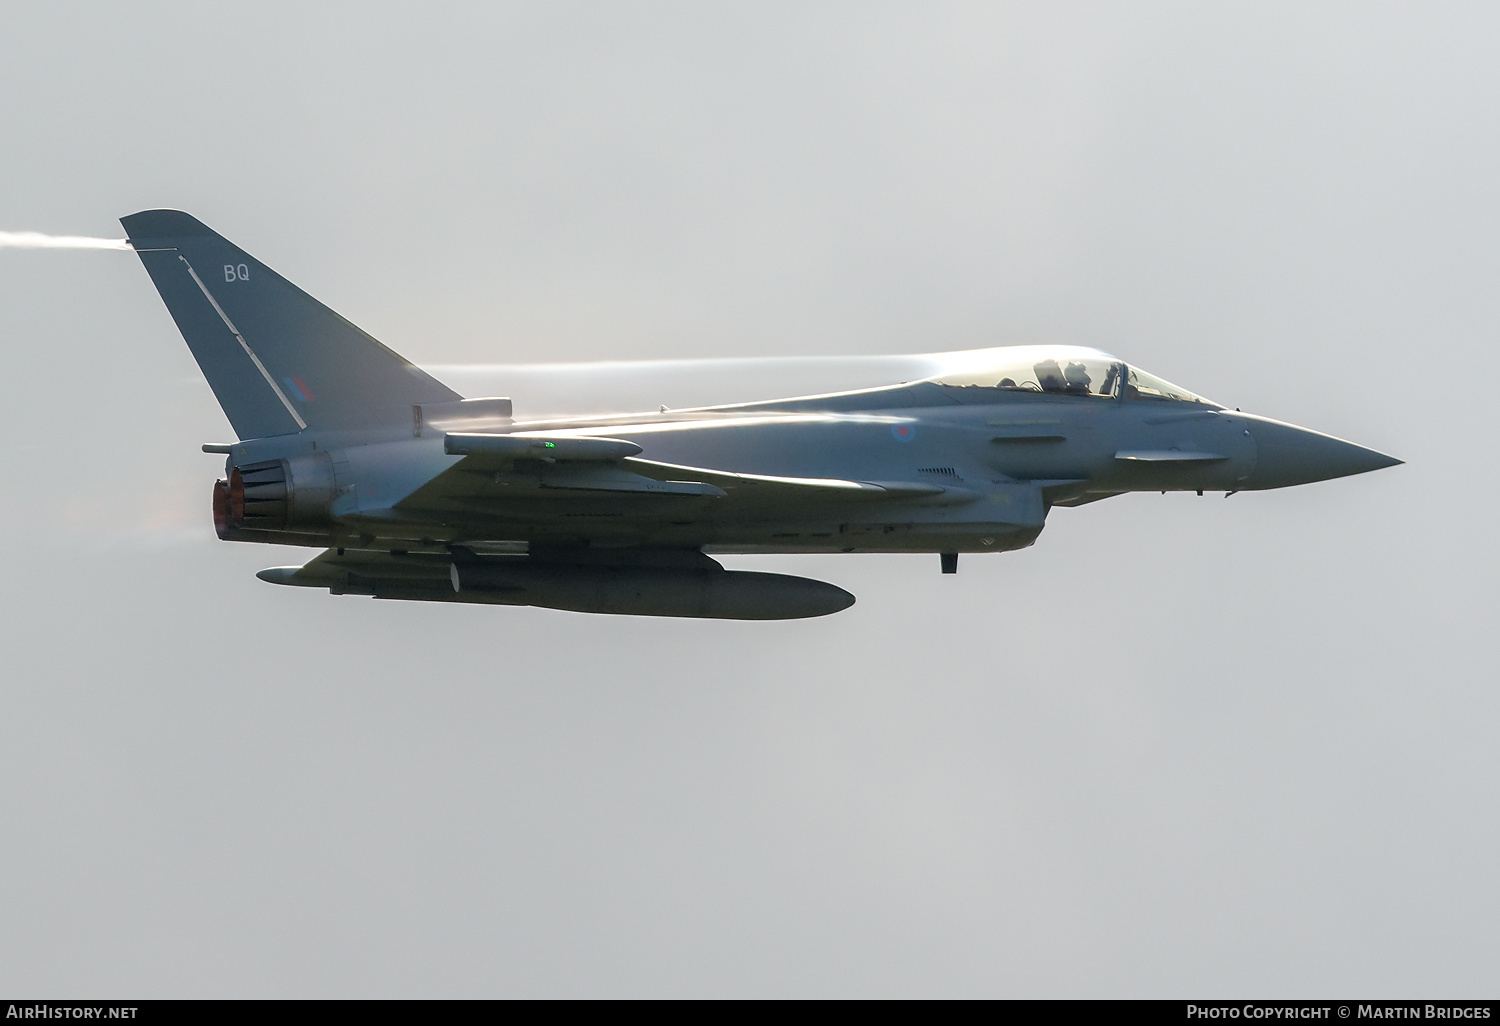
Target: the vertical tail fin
(277, 359)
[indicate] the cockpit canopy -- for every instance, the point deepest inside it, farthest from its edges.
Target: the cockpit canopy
(1057, 370)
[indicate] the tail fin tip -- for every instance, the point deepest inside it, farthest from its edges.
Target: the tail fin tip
(164, 224)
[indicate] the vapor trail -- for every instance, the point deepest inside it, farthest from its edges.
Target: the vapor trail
(40, 240)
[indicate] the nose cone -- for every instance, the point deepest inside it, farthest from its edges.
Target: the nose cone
(1289, 455)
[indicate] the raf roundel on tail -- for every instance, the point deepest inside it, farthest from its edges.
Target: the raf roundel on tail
(416, 492)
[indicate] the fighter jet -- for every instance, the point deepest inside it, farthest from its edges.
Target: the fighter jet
(416, 492)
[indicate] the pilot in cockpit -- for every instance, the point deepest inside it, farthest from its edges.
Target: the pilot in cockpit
(1077, 378)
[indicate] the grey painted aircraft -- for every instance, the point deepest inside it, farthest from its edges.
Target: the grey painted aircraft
(416, 492)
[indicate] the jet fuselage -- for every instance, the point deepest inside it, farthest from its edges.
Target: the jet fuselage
(418, 493)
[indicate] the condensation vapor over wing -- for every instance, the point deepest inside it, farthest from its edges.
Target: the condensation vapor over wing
(546, 389)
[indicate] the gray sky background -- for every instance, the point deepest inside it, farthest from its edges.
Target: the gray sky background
(1182, 746)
